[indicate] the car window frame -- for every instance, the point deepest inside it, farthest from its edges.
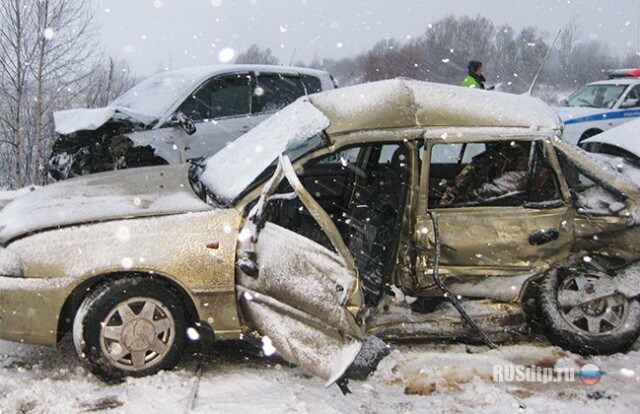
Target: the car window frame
(532, 143)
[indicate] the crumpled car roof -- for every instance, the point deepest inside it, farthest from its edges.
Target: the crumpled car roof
(402, 103)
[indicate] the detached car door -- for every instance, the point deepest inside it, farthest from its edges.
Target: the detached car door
(304, 297)
(499, 212)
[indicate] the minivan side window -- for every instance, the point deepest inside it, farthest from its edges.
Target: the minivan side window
(274, 91)
(219, 97)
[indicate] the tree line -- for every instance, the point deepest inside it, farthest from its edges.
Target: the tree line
(50, 59)
(510, 58)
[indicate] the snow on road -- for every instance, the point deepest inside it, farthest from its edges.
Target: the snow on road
(414, 378)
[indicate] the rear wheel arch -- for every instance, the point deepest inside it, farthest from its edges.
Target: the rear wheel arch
(83, 290)
(589, 133)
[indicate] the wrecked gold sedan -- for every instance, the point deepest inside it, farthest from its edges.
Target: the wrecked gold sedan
(398, 208)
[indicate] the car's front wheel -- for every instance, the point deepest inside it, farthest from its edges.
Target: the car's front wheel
(129, 327)
(604, 325)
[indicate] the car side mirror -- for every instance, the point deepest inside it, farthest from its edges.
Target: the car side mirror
(630, 103)
(185, 122)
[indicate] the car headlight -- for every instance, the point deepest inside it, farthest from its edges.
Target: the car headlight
(10, 263)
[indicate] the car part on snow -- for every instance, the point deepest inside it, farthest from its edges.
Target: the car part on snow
(129, 327)
(372, 352)
(583, 314)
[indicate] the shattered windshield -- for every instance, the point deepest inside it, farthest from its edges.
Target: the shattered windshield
(157, 94)
(595, 96)
(295, 129)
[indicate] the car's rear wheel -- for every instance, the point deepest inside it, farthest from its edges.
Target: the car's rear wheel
(604, 325)
(129, 327)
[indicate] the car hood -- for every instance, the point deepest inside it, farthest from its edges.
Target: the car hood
(567, 113)
(101, 197)
(72, 120)
(625, 136)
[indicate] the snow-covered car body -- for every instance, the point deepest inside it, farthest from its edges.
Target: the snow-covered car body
(323, 223)
(619, 147)
(601, 105)
(176, 115)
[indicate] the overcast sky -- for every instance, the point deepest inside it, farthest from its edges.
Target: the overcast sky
(151, 34)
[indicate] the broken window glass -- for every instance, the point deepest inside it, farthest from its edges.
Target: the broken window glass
(589, 195)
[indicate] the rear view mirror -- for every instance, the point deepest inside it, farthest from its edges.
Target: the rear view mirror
(630, 103)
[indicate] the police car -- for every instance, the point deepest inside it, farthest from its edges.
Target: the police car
(601, 105)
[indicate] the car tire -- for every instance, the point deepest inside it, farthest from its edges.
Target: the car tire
(129, 327)
(602, 326)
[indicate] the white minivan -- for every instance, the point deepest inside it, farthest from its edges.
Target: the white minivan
(175, 116)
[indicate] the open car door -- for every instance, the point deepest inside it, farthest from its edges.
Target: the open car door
(303, 296)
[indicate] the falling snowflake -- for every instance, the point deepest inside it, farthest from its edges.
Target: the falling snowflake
(267, 346)
(193, 334)
(226, 55)
(49, 33)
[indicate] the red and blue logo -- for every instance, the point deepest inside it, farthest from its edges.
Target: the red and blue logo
(590, 374)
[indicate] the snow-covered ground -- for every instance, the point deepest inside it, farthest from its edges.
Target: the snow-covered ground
(414, 378)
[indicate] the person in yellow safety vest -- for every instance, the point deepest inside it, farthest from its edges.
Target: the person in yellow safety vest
(474, 78)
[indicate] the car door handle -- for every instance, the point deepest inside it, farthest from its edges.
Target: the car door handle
(540, 237)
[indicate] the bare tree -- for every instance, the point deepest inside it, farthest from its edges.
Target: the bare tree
(566, 47)
(382, 61)
(531, 50)
(254, 54)
(107, 82)
(64, 56)
(46, 48)
(16, 53)
(582, 62)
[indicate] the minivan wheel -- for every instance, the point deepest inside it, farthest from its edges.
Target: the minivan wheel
(129, 327)
(601, 326)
